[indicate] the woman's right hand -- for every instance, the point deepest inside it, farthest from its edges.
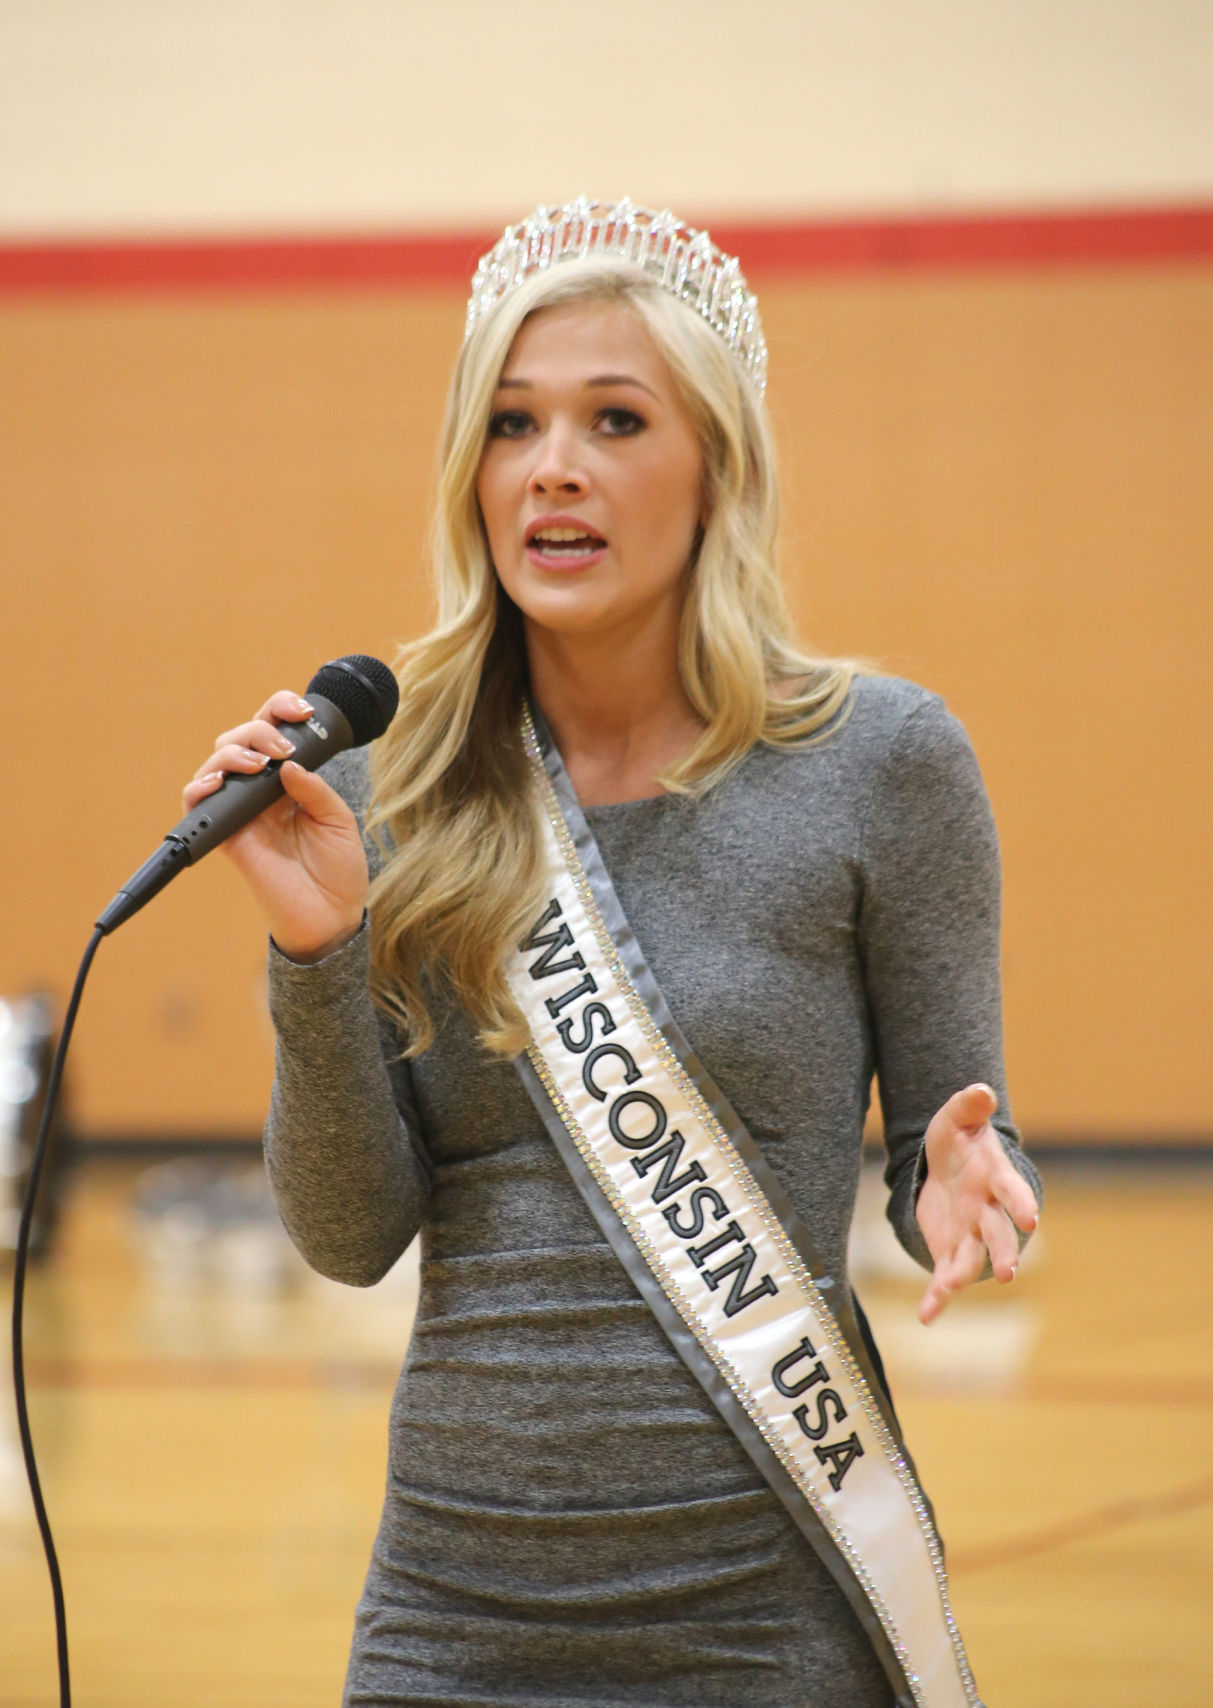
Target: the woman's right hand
(302, 858)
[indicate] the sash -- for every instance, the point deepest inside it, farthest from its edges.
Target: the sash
(712, 1243)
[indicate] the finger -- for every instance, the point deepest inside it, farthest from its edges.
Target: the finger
(232, 758)
(952, 1274)
(261, 735)
(286, 707)
(1013, 1194)
(200, 788)
(934, 1300)
(1000, 1241)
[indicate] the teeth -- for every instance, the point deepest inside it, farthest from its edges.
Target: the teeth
(561, 535)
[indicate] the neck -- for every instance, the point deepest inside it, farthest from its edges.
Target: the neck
(618, 713)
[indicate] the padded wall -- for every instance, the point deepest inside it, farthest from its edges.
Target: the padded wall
(997, 483)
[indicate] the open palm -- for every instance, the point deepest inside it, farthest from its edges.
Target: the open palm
(972, 1201)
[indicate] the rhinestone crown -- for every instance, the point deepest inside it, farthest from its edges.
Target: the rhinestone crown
(683, 261)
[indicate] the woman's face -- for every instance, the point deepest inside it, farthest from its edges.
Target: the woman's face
(591, 482)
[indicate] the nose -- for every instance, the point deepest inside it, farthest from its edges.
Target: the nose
(557, 466)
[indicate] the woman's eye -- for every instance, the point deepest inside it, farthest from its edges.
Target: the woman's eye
(618, 422)
(509, 424)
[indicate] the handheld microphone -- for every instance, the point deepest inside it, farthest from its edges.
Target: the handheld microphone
(353, 701)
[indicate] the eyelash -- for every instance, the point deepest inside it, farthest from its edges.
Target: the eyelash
(632, 423)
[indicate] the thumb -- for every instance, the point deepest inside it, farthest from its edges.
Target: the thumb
(971, 1108)
(310, 791)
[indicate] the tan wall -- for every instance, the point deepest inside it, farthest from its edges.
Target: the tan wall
(997, 485)
(179, 115)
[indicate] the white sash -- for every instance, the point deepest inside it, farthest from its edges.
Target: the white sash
(712, 1243)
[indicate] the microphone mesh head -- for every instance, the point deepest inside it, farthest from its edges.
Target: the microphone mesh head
(364, 689)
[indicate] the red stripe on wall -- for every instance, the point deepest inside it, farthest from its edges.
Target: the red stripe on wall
(978, 240)
(1001, 240)
(240, 264)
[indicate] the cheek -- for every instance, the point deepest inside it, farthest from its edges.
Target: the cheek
(672, 505)
(485, 493)
(491, 494)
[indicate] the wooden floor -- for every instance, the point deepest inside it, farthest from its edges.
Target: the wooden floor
(210, 1422)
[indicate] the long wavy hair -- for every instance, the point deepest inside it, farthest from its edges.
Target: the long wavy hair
(454, 810)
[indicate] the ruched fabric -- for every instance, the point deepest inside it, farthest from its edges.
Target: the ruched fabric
(567, 1520)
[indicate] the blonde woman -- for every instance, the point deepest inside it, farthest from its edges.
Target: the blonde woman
(641, 1450)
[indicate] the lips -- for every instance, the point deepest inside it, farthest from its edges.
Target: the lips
(563, 542)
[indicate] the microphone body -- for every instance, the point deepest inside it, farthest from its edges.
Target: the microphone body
(236, 802)
(244, 794)
(368, 690)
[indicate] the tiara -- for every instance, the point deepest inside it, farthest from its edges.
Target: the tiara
(683, 261)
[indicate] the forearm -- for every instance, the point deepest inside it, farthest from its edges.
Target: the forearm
(349, 1177)
(930, 930)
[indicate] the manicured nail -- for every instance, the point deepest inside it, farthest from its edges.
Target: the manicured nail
(284, 746)
(301, 705)
(261, 758)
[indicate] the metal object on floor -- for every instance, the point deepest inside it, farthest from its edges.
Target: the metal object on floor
(29, 1029)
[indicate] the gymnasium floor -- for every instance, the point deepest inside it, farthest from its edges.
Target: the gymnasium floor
(210, 1421)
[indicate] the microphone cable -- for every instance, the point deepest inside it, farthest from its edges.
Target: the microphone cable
(357, 696)
(23, 1239)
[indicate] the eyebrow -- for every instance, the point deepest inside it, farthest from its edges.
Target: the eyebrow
(504, 384)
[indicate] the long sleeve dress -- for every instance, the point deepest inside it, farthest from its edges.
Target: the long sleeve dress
(567, 1519)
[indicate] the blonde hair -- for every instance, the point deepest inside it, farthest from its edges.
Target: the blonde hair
(453, 809)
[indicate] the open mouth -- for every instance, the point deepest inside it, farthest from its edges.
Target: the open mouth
(567, 545)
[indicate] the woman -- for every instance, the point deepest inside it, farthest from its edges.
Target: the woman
(585, 1500)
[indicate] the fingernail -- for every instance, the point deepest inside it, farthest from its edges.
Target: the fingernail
(301, 704)
(261, 758)
(1014, 1270)
(284, 746)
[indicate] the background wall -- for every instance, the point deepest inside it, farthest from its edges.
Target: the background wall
(146, 115)
(996, 471)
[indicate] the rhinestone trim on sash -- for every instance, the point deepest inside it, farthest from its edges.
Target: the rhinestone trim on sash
(755, 1198)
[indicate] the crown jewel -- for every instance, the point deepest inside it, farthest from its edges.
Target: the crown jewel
(683, 261)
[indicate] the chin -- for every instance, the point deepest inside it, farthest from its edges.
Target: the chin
(567, 617)
(567, 606)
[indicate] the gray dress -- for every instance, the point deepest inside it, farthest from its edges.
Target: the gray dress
(567, 1519)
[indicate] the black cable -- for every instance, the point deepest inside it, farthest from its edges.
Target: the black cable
(23, 1237)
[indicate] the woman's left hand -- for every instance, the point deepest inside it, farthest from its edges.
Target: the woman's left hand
(972, 1201)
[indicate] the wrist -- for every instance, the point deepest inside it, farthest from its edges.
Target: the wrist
(306, 954)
